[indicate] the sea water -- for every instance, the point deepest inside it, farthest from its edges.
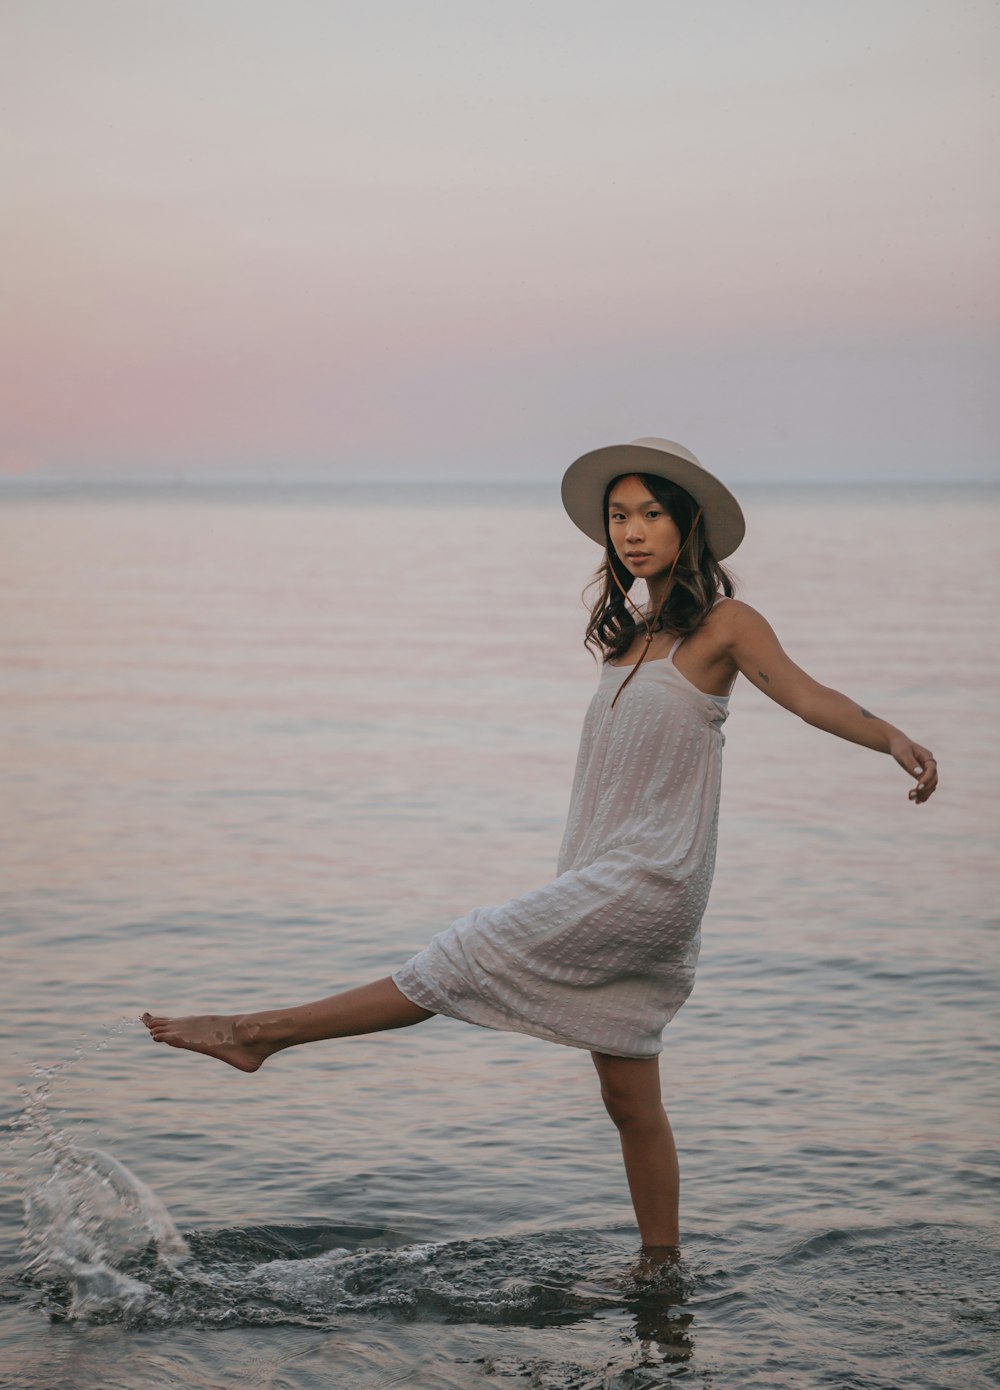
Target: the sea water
(260, 745)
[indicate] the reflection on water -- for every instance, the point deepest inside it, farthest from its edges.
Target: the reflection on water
(243, 764)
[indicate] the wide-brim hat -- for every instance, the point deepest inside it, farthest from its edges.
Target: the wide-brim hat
(585, 483)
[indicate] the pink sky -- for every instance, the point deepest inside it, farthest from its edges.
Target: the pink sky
(453, 240)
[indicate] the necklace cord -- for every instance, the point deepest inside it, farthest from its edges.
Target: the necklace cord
(650, 626)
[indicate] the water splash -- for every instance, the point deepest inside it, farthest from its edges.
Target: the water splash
(89, 1222)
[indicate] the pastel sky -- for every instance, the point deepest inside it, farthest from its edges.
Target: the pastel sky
(460, 239)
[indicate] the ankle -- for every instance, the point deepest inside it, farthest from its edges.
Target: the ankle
(258, 1028)
(663, 1246)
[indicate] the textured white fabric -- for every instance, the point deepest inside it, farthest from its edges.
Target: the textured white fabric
(605, 955)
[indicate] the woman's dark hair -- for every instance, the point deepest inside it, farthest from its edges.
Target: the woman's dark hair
(698, 577)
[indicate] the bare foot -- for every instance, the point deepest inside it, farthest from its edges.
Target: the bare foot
(230, 1037)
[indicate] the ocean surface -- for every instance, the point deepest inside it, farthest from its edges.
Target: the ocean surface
(259, 745)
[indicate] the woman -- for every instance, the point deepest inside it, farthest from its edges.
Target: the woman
(602, 957)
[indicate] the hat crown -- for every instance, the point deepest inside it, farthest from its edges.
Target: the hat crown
(665, 446)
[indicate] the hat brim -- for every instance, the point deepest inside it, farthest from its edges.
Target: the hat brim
(586, 480)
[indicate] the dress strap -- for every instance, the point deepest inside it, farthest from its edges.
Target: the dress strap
(670, 653)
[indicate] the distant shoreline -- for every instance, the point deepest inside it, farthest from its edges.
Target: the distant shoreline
(426, 493)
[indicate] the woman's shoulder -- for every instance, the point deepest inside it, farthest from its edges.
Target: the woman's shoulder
(731, 616)
(726, 610)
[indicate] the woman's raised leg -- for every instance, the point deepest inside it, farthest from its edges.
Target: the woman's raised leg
(630, 1089)
(245, 1041)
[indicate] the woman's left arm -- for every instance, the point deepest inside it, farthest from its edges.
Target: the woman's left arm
(754, 648)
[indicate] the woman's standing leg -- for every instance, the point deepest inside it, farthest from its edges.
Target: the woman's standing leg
(630, 1089)
(247, 1040)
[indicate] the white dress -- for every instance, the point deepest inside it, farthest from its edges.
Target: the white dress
(605, 955)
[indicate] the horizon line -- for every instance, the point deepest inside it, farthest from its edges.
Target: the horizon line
(36, 483)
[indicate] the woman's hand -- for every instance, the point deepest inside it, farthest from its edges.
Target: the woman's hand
(919, 763)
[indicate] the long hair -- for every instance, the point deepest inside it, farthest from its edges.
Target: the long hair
(698, 576)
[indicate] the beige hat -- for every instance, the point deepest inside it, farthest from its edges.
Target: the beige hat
(585, 483)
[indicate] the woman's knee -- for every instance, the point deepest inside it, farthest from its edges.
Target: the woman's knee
(631, 1111)
(630, 1091)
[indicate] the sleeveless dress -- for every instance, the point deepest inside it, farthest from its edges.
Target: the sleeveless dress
(604, 955)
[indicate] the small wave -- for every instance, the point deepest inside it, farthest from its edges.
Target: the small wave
(219, 1279)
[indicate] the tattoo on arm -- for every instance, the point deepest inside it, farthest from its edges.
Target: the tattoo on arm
(866, 712)
(764, 677)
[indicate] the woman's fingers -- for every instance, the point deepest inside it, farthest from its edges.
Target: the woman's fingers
(919, 763)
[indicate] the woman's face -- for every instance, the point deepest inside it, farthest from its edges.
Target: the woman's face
(643, 534)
